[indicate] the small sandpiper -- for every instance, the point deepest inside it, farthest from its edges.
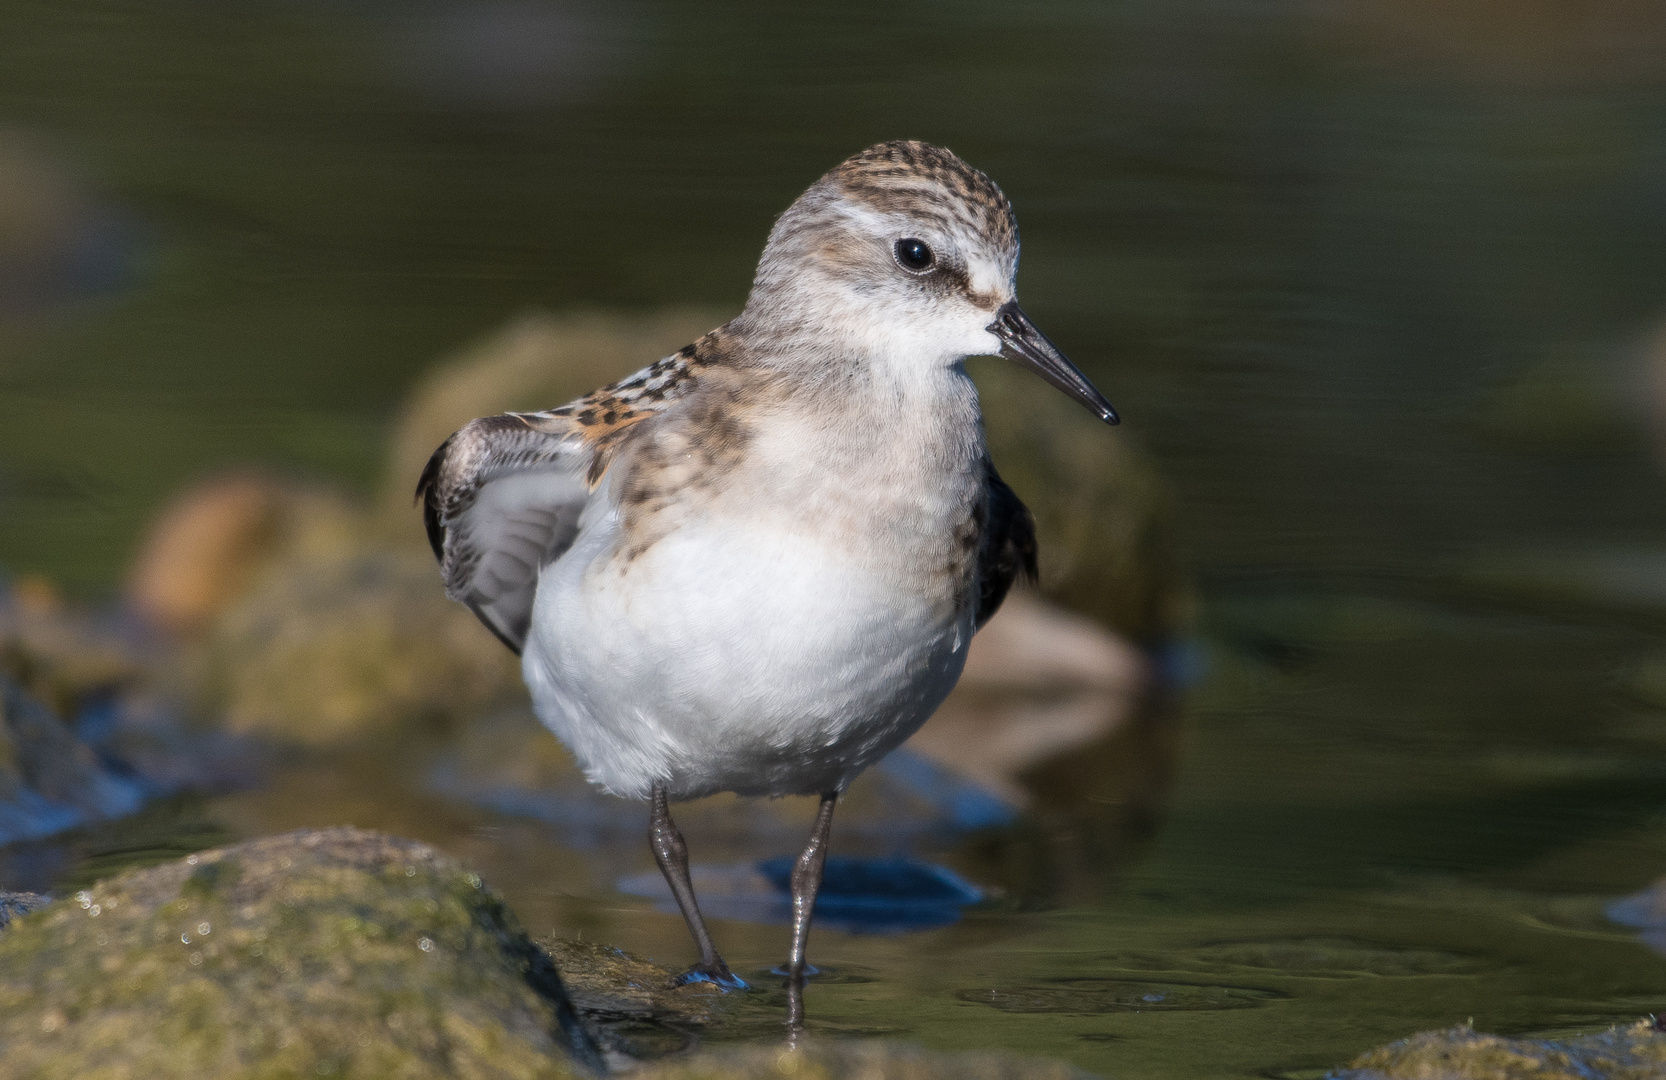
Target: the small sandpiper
(755, 565)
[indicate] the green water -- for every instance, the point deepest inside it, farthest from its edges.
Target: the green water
(1367, 280)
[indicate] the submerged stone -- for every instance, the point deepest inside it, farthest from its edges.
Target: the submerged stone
(15, 904)
(1635, 1052)
(49, 779)
(606, 984)
(335, 952)
(637, 1010)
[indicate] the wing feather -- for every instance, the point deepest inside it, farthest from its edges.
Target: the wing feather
(503, 496)
(501, 499)
(1007, 549)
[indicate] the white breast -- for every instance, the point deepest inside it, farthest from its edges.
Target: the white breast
(793, 626)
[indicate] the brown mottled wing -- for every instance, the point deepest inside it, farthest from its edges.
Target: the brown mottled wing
(1007, 548)
(502, 499)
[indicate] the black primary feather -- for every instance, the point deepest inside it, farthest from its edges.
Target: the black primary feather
(1008, 546)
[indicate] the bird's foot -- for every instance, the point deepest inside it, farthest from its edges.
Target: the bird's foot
(717, 974)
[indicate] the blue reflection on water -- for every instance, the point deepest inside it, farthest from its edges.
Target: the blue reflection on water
(881, 895)
(859, 895)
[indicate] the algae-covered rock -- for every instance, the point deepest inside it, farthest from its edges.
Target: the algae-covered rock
(854, 1061)
(335, 952)
(1635, 1052)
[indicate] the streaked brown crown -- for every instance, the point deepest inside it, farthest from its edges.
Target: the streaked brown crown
(927, 181)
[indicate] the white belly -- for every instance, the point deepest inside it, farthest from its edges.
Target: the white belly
(735, 655)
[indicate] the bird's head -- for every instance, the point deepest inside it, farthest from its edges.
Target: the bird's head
(907, 253)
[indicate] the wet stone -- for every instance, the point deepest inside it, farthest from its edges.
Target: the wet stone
(604, 981)
(1633, 1052)
(637, 1011)
(325, 952)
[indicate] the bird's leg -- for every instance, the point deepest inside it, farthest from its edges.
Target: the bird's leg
(806, 883)
(672, 855)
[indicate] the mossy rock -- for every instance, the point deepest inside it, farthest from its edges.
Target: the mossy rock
(1635, 1052)
(854, 1061)
(334, 952)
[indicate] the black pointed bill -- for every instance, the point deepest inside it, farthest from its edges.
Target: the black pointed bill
(1021, 341)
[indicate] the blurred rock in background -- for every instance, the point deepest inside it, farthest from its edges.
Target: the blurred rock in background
(1039, 683)
(56, 243)
(298, 623)
(356, 645)
(215, 541)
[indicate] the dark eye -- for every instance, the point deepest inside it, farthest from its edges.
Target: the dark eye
(913, 255)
